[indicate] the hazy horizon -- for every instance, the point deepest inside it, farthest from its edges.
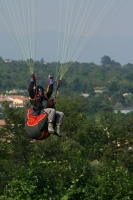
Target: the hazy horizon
(113, 36)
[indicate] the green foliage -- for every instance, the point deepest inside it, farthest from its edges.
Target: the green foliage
(92, 160)
(113, 182)
(106, 60)
(80, 78)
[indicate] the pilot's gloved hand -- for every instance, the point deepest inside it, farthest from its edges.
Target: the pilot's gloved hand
(50, 80)
(33, 78)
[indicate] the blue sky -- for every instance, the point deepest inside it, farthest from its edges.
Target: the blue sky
(59, 23)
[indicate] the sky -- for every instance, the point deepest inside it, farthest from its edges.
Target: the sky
(65, 30)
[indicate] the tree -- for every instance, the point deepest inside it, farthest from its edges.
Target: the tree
(16, 144)
(105, 60)
(82, 164)
(113, 86)
(117, 97)
(42, 61)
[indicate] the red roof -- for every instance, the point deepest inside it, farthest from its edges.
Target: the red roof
(2, 122)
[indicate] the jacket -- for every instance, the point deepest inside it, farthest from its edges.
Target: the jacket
(37, 102)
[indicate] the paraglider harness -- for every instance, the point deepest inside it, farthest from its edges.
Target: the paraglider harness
(35, 124)
(36, 120)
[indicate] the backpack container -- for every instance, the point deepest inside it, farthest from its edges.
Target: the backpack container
(35, 124)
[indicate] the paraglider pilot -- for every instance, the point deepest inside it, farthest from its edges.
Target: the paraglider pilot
(41, 101)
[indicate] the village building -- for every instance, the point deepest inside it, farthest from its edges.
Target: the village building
(8, 60)
(13, 100)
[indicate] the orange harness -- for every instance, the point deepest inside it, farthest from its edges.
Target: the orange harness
(33, 120)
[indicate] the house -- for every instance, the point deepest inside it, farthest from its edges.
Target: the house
(84, 95)
(2, 122)
(8, 60)
(18, 101)
(126, 94)
(4, 98)
(99, 91)
(45, 63)
(13, 100)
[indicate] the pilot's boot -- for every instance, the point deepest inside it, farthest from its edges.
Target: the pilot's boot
(57, 131)
(50, 127)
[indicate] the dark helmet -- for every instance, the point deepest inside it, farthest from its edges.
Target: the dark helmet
(40, 89)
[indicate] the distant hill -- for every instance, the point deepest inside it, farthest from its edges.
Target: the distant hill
(80, 78)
